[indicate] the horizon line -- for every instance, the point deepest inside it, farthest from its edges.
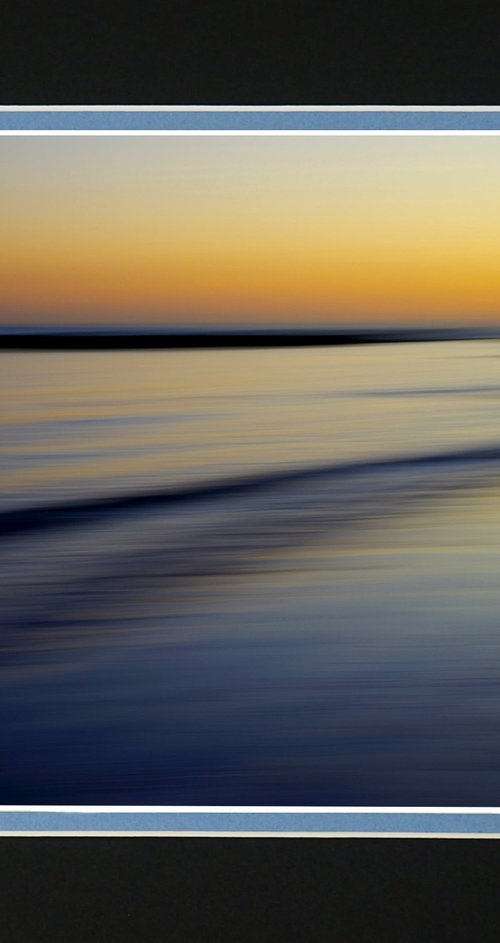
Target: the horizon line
(174, 337)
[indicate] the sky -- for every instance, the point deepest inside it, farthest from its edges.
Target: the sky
(210, 230)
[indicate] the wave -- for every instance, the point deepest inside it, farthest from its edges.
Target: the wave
(73, 589)
(432, 391)
(86, 510)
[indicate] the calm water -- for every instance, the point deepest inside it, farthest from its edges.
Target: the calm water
(252, 577)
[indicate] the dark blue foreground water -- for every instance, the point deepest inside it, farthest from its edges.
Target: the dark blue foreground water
(252, 577)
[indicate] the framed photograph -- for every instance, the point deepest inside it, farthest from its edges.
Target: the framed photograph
(250, 470)
(249, 328)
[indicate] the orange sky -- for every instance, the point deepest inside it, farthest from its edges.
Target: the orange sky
(298, 230)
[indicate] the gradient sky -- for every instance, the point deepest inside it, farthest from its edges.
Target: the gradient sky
(263, 230)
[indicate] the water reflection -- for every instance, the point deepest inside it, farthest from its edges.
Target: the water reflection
(327, 638)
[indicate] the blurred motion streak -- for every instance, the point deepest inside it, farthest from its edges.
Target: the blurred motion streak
(251, 577)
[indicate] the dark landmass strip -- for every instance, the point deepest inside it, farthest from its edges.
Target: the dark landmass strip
(232, 339)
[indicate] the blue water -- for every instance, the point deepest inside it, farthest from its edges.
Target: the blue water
(251, 577)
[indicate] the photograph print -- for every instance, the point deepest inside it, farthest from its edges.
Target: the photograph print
(250, 512)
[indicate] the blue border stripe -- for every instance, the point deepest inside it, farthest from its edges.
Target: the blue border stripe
(247, 121)
(277, 822)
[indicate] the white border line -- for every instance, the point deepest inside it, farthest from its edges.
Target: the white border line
(226, 834)
(247, 133)
(263, 810)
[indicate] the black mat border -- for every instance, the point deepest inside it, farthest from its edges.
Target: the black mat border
(260, 890)
(249, 52)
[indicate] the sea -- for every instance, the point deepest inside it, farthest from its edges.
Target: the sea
(251, 577)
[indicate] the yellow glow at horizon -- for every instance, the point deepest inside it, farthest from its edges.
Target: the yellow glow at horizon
(250, 229)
